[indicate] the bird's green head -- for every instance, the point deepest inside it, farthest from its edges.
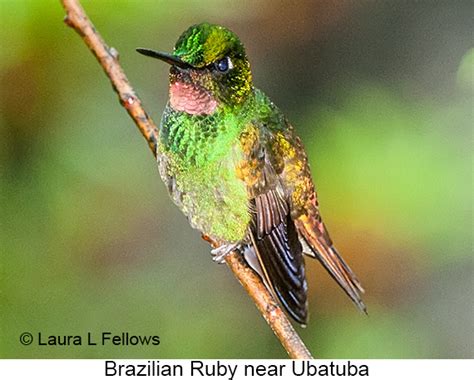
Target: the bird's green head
(209, 70)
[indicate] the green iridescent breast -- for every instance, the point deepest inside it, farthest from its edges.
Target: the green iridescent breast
(197, 159)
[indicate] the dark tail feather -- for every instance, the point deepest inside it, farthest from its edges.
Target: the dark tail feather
(316, 237)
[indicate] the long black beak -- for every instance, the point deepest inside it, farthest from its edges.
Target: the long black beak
(165, 57)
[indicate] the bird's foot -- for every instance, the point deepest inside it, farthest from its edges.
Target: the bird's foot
(219, 253)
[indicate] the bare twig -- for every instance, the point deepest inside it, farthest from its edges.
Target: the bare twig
(77, 19)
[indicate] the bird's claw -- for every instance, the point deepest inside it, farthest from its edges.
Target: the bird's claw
(219, 253)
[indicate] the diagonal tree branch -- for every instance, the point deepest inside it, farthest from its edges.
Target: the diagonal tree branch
(77, 19)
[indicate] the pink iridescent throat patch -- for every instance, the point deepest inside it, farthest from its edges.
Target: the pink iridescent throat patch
(191, 99)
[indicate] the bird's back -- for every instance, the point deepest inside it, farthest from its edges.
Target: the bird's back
(286, 217)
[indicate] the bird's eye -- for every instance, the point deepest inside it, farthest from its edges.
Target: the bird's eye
(224, 65)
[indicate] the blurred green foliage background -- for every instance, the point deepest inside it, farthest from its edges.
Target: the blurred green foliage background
(380, 92)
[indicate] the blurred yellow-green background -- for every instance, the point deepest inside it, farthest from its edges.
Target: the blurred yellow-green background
(382, 95)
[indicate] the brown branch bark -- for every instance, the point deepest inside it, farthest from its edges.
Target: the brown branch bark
(77, 19)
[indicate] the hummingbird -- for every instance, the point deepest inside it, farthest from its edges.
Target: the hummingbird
(233, 164)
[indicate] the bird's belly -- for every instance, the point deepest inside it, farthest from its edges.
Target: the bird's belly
(213, 198)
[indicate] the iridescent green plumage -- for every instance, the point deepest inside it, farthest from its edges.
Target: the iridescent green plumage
(195, 161)
(233, 164)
